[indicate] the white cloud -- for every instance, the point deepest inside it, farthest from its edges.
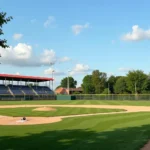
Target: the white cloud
(49, 21)
(64, 59)
(23, 55)
(78, 28)
(55, 72)
(124, 69)
(137, 34)
(80, 69)
(48, 56)
(17, 36)
(109, 74)
(17, 73)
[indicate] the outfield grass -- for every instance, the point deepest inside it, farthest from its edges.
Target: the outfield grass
(19, 112)
(79, 102)
(105, 132)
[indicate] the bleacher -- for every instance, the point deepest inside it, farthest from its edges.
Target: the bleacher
(27, 90)
(16, 89)
(4, 90)
(42, 90)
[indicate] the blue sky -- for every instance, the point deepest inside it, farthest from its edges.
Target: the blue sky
(112, 36)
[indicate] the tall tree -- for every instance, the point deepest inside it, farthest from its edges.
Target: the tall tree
(3, 20)
(87, 85)
(110, 83)
(99, 81)
(106, 91)
(137, 81)
(121, 86)
(72, 82)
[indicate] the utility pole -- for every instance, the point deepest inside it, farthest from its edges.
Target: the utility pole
(108, 88)
(52, 78)
(68, 83)
(135, 88)
(52, 64)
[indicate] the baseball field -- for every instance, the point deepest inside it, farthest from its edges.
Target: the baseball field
(75, 125)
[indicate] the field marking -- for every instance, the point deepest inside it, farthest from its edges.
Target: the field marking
(6, 120)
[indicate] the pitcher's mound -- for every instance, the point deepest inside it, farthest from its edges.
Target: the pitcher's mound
(44, 109)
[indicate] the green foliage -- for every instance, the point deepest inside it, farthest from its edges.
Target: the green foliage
(111, 81)
(121, 86)
(106, 91)
(3, 20)
(72, 82)
(58, 87)
(137, 81)
(87, 85)
(76, 92)
(99, 81)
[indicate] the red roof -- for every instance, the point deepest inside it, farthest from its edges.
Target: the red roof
(24, 78)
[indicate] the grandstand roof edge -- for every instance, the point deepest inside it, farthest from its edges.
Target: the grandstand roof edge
(24, 78)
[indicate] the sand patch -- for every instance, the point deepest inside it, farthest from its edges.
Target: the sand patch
(29, 121)
(44, 109)
(5, 120)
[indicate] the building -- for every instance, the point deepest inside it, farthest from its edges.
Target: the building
(63, 91)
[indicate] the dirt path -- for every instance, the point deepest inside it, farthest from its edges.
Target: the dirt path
(5, 120)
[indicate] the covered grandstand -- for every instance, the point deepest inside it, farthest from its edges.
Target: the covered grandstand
(18, 87)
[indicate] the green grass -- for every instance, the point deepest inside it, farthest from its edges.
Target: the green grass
(19, 112)
(79, 102)
(104, 132)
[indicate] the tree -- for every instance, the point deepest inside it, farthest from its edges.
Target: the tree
(72, 82)
(58, 87)
(111, 81)
(121, 86)
(3, 20)
(87, 85)
(99, 81)
(137, 81)
(106, 91)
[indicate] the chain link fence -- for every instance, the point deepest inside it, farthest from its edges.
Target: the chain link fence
(79, 97)
(112, 97)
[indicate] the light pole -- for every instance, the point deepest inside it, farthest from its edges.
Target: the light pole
(135, 88)
(52, 78)
(108, 88)
(68, 83)
(52, 64)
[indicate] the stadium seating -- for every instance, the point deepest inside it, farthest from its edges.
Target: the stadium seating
(16, 89)
(42, 90)
(27, 90)
(21, 89)
(24, 90)
(4, 90)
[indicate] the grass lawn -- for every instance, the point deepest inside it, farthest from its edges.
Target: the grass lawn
(19, 112)
(79, 102)
(105, 132)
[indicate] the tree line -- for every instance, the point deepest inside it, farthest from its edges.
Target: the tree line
(135, 82)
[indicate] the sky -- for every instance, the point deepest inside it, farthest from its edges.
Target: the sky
(75, 37)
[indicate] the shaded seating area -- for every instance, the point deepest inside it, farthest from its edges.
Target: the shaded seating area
(16, 89)
(13, 86)
(42, 90)
(27, 90)
(4, 90)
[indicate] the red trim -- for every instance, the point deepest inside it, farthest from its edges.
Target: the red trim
(21, 77)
